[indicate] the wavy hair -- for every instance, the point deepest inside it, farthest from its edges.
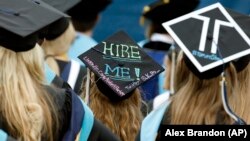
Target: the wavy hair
(241, 98)
(123, 118)
(198, 101)
(26, 108)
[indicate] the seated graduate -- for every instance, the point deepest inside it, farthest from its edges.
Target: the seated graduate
(58, 40)
(31, 110)
(119, 67)
(207, 85)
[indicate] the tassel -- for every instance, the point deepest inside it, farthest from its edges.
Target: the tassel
(87, 87)
(172, 91)
(228, 110)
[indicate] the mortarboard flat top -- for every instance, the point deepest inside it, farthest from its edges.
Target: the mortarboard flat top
(62, 5)
(163, 10)
(26, 16)
(21, 20)
(121, 63)
(211, 36)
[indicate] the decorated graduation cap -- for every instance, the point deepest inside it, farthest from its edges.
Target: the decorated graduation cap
(210, 38)
(22, 22)
(120, 66)
(164, 10)
(59, 27)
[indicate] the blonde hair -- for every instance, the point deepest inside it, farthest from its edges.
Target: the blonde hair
(58, 48)
(25, 105)
(241, 98)
(61, 44)
(167, 62)
(198, 101)
(123, 118)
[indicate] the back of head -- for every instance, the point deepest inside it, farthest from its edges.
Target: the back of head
(164, 10)
(117, 116)
(198, 101)
(120, 66)
(24, 102)
(84, 14)
(60, 26)
(60, 44)
(218, 53)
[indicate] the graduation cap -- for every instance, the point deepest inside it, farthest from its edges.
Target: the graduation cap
(62, 5)
(22, 22)
(59, 27)
(120, 65)
(210, 38)
(87, 10)
(164, 10)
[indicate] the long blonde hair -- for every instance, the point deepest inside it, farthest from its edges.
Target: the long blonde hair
(123, 118)
(25, 105)
(241, 98)
(198, 101)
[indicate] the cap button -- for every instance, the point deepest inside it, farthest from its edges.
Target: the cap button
(120, 64)
(209, 37)
(16, 14)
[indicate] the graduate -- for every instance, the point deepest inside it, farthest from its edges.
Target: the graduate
(118, 68)
(58, 39)
(158, 40)
(30, 109)
(85, 15)
(207, 86)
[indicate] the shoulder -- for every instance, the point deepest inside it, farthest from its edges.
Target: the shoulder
(81, 44)
(142, 42)
(58, 94)
(100, 132)
(86, 39)
(151, 123)
(160, 99)
(71, 111)
(5, 137)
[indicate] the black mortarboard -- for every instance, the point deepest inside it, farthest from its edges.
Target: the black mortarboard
(62, 5)
(121, 65)
(59, 27)
(163, 10)
(210, 38)
(22, 22)
(87, 10)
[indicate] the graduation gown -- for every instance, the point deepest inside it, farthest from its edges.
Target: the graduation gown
(78, 120)
(151, 123)
(73, 73)
(81, 44)
(5, 137)
(158, 51)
